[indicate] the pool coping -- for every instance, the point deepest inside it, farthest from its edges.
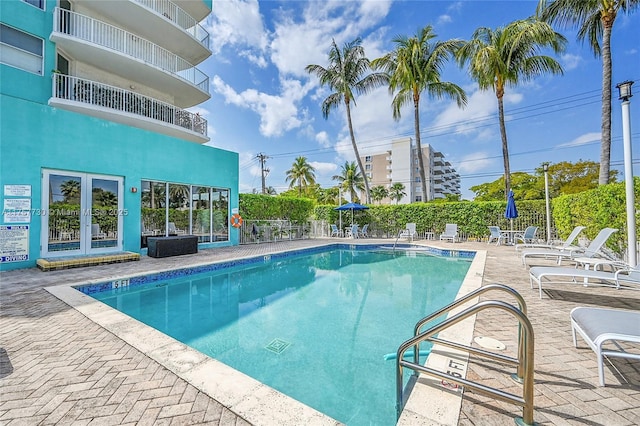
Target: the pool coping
(255, 402)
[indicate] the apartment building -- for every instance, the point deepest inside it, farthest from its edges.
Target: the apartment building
(400, 165)
(99, 149)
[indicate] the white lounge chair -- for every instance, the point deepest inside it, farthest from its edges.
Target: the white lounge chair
(409, 232)
(566, 244)
(335, 231)
(450, 232)
(598, 326)
(591, 251)
(626, 277)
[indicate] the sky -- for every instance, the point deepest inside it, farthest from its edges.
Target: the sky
(264, 102)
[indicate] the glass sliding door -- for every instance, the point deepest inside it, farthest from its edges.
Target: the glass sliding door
(81, 213)
(62, 214)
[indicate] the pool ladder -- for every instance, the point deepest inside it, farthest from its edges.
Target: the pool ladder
(524, 361)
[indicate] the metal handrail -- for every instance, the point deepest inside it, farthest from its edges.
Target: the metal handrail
(521, 305)
(525, 361)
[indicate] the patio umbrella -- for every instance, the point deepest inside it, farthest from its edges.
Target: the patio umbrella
(352, 207)
(511, 212)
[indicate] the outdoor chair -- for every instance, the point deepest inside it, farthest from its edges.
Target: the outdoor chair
(624, 277)
(175, 231)
(528, 236)
(352, 232)
(497, 235)
(598, 326)
(566, 244)
(592, 250)
(96, 233)
(363, 231)
(450, 232)
(335, 231)
(409, 232)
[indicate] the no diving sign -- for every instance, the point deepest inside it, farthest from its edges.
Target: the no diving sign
(14, 243)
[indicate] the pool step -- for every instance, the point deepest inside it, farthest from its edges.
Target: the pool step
(67, 262)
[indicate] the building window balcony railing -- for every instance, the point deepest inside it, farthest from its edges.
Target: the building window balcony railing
(89, 92)
(181, 18)
(106, 35)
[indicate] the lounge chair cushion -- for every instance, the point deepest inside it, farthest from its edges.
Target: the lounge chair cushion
(599, 325)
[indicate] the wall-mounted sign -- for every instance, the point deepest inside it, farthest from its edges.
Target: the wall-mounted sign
(17, 190)
(17, 210)
(14, 243)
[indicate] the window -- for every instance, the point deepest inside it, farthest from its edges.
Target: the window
(418, 179)
(418, 198)
(21, 50)
(367, 166)
(37, 3)
(184, 209)
(367, 158)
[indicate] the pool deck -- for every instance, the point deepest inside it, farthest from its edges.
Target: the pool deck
(59, 367)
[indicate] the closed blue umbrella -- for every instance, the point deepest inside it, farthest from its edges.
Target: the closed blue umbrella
(511, 212)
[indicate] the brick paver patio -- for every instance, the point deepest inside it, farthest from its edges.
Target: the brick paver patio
(58, 367)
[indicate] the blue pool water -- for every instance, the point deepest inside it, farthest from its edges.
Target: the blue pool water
(315, 327)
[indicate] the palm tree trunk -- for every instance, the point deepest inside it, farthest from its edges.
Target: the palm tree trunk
(355, 150)
(605, 144)
(505, 145)
(416, 124)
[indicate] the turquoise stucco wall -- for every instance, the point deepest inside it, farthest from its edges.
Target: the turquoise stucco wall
(36, 137)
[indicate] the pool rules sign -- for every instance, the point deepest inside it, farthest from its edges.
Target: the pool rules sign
(14, 243)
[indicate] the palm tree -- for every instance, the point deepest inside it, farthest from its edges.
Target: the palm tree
(414, 67)
(379, 193)
(396, 192)
(507, 56)
(344, 76)
(71, 191)
(328, 195)
(351, 180)
(594, 20)
(301, 173)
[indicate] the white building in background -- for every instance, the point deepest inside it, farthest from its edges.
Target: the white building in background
(400, 165)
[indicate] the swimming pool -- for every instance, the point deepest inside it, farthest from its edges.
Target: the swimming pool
(328, 318)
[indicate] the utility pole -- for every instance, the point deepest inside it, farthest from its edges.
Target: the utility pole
(264, 172)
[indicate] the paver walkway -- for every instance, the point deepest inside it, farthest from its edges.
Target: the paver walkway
(58, 367)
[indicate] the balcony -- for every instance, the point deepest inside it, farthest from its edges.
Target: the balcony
(158, 20)
(122, 53)
(126, 107)
(198, 9)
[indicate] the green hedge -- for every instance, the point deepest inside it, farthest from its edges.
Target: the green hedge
(598, 208)
(266, 207)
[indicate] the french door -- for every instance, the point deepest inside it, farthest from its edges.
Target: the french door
(81, 213)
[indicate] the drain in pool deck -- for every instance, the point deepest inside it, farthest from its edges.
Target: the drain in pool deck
(277, 346)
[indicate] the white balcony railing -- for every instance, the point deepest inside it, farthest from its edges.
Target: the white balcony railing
(105, 35)
(70, 88)
(175, 13)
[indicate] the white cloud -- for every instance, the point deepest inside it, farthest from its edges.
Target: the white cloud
(237, 22)
(324, 169)
(480, 110)
(570, 62)
(587, 138)
(323, 139)
(474, 162)
(278, 113)
(444, 19)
